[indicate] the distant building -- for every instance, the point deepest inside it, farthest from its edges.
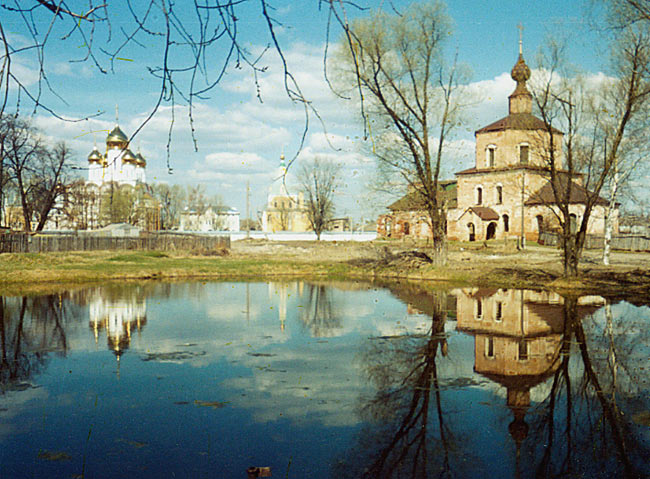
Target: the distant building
(213, 218)
(284, 211)
(118, 164)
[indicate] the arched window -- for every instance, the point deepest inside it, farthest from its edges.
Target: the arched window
(479, 195)
(506, 223)
(479, 308)
(524, 153)
(472, 233)
(499, 194)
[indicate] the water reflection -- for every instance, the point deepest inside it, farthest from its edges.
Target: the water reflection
(346, 381)
(117, 312)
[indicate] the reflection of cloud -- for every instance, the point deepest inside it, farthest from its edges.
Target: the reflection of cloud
(13, 403)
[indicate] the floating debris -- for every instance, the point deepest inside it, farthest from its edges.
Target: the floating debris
(212, 404)
(253, 472)
(54, 456)
(135, 444)
(642, 418)
(172, 356)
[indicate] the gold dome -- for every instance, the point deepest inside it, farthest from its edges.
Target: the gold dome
(129, 157)
(140, 161)
(117, 136)
(95, 156)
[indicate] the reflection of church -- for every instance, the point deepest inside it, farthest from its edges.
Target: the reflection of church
(518, 339)
(118, 317)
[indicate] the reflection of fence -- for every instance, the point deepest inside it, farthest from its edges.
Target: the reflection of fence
(25, 243)
(621, 242)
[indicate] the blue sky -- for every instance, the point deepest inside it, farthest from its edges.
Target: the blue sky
(241, 139)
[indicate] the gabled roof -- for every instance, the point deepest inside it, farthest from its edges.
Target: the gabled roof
(579, 194)
(517, 121)
(483, 212)
(413, 201)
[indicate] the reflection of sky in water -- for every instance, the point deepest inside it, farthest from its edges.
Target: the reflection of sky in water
(204, 380)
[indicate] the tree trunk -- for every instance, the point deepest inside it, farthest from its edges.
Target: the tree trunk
(608, 219)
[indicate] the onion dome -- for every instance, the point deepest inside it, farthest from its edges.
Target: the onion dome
(521, 74)
(140, 161)
(117, 138)
(95, 156)
(129, 157)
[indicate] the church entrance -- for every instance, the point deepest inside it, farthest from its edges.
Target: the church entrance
(491, 231)
(472, 235)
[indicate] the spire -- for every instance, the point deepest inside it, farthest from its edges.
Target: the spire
(521, 101)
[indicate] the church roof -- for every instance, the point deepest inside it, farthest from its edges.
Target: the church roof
(517, 121)
(485, 213)
(414, 201)
(579, 194)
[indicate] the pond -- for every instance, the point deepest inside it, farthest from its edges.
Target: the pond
(338, 380)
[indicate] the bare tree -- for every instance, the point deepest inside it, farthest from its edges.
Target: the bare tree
(593, 146)
(23, 149)
(171, 199)
(190, 48)
(49, 180)
(408, 90)
(319, 180)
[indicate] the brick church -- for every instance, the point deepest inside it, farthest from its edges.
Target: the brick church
(507, 189)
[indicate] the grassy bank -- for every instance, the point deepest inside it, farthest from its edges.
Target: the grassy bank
(494, 265)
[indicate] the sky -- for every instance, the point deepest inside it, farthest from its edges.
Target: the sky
(241, 135)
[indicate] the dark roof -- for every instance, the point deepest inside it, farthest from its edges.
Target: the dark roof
(485, 213)
(413, 201)
(517, 121)
(579, 194)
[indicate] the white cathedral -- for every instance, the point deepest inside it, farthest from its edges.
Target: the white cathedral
(118, 164)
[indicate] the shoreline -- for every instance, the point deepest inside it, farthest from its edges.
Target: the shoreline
(469, 264)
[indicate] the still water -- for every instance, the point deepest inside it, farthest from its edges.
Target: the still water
(322, 380)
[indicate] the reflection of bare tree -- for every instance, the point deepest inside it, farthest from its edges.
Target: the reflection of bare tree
(30, 328)
(319, 314)
(407, 410)
(582, 423)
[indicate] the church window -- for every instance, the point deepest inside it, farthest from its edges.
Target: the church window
(524, 154)
(491, 155)
(506, 223)
(489, 347)
(499, 194)
(479, 309)
(523, 350)
(479, 196)
(498, 316)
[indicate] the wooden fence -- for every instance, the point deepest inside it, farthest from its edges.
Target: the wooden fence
(619, 242)
(26, 243)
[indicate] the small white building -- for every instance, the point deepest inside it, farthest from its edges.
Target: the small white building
(214, 218)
